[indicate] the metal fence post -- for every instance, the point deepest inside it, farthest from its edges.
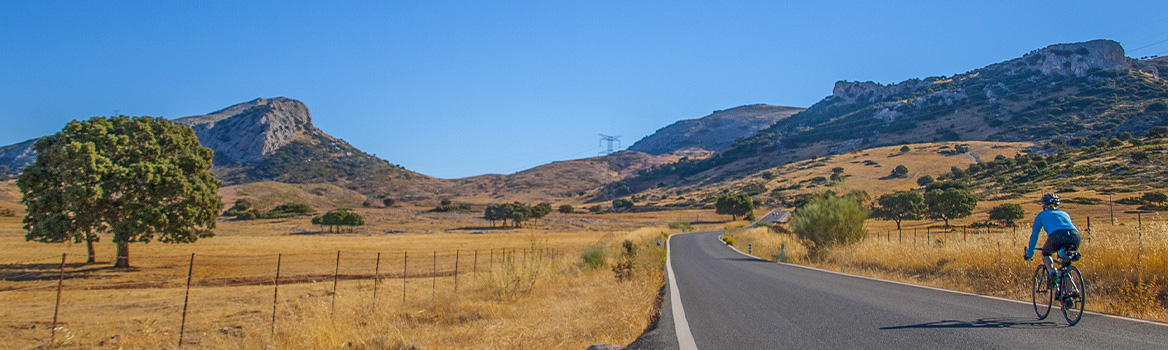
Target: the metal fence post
(186, 299)
(475, 268)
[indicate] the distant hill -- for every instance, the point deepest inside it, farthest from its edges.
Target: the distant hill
(14, 158)
(714, 132)
(557, 182)
(274, 140)
(1077, 92)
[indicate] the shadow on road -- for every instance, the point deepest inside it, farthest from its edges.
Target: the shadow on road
(1008, 322)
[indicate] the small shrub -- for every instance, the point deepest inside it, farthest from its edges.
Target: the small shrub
(592, 258)
(828, 221)
(729, 240)
(566, 209)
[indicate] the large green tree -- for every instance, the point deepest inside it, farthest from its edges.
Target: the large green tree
(948, 204)
(734, 204)
(900, 206)
(138, 179)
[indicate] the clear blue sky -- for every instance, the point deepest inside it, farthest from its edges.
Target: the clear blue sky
(453, 89)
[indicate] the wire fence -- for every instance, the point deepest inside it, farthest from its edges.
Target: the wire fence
(1017, 235)
(174, 293)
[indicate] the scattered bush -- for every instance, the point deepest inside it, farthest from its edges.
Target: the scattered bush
(925, 180)
(447, 206)
(621, 204)
(828, 221)
(287, 210)
(566, 209)
(899, 172)
(592, 258)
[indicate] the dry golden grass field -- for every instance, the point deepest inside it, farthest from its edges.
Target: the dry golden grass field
(516, 288)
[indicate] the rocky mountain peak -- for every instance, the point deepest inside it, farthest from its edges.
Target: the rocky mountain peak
(1074, 59)
(249, 131)
(713, 132)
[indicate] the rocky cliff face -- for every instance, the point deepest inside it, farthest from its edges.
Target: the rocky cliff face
(1076, 59)
(714, 132)
(250, 131)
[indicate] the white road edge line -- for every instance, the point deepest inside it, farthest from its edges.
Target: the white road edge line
(1118, 317)
(685, 339)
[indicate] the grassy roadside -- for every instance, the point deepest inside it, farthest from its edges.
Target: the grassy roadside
(992, 264)
(537, 299)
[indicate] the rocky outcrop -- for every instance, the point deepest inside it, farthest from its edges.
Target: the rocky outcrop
(1075, 59)
(870, 92)
(249, 131)
(714, 132)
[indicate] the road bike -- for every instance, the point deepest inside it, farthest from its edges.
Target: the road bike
(1066, 286)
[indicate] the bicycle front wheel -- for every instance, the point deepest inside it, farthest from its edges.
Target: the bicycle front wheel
(1074, 295)
(1040, 292)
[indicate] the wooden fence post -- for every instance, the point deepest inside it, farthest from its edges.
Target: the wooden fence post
(456, 270)
(475, 268)
(336, 273)
(186, 299)
(405, 274)
(434, 278)
(57, 309)
(276, 292)
(376, 277)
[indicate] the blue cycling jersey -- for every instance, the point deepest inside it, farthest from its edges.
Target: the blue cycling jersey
(1051, 220)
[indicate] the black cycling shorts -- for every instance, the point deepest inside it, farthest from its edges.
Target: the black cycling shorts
(1061, 238)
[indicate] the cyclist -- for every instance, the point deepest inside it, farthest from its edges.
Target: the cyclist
(1060, 232)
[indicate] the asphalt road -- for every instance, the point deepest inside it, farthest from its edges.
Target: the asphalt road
(731, 301)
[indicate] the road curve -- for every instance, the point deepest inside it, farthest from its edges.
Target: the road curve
(732, 301)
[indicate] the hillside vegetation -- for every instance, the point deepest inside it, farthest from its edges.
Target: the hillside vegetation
(1085, 90)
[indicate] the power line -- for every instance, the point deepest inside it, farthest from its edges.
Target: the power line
(1149, 45)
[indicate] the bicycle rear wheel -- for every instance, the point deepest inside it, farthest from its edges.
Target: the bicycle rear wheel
(1040, 292)
(1074, 295)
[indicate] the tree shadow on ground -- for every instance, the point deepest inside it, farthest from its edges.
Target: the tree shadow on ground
(52, 271)
(1001, 322)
